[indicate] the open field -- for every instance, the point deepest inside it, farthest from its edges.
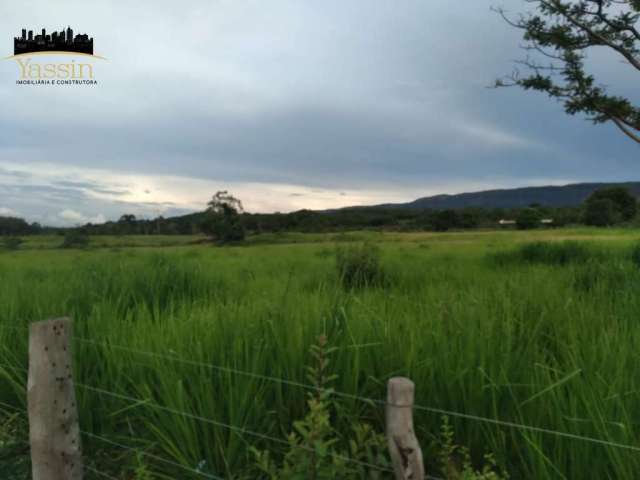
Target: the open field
(549, 341)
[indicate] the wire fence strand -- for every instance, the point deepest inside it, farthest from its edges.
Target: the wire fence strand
(440, 411)
(150, 455)
(373, 401)
(99, 473)
(86, 467)
(13, 407)
(139, 402)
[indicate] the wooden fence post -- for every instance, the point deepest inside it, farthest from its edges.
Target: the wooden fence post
(404, 448)
(54, 432)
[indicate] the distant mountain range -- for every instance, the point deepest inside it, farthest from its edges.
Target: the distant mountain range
(550, 196)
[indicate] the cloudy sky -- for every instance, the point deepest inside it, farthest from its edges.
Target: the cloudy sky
(288, 105)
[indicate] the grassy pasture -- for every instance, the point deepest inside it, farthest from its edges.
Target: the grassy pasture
(482, 329)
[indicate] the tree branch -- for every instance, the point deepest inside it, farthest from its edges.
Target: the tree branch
(602, 16)
(561, 9)
(627, 131)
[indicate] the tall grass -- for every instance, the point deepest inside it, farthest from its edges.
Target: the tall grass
(552, 253)
(530, 344)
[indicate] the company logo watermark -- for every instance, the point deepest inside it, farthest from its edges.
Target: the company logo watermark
(55, 59)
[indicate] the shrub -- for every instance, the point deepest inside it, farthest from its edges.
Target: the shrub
(314, 446)
(75, 239)
(11, 242)
(455, 461)
(359, 266)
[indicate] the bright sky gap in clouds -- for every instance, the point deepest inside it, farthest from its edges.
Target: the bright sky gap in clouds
(295, 105)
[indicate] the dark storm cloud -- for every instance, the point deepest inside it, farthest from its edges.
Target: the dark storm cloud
(332, 96)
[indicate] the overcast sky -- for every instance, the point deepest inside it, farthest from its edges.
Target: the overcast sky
(286, 104)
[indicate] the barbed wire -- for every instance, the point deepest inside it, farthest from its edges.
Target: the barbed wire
(440, 411)
(139, 402)
(350, 396)
(220, 368)
(427, 477)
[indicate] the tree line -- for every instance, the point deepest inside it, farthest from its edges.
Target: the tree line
(226, 221)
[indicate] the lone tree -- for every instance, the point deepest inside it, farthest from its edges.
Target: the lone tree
(609, 206)
(127, 223)
(223, 218)
(127, 219)
(561, 33)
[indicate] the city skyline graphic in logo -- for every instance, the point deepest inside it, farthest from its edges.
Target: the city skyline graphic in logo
(62, 41)
(45, 58)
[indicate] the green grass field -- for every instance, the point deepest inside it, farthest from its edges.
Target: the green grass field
(544, 339)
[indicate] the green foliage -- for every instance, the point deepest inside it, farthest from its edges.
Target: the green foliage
(607, 276)
(126, 224)
(609, 206)
(75, 238)
(224, 228)
(11, 243)
(495, 343)
(601, 213)
(314, 451)
(549, 253)
(528, 218)
(562, 33)
(14, 447)
(445, 220)
(13, 226)
(635, 254)
(141, 471)
(359, 266)
(223, 219)
(557, 253)
(470, 218)
(455, 461)
(225, 203)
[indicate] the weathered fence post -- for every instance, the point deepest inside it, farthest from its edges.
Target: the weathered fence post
(54, 432)
(404, 448)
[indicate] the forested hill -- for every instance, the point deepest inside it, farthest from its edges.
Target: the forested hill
(550, 196)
